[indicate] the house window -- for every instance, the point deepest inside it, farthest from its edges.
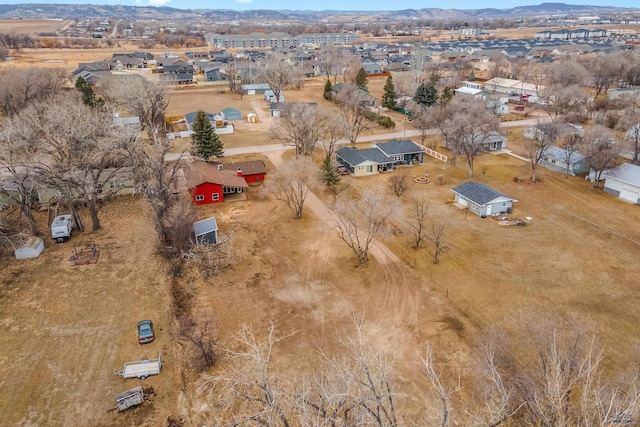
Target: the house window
(369, 168)
(199, 197)
(215, 196)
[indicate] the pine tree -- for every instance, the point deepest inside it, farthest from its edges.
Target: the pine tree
(426, 95)
(328, 174)
(445, 96)
(361, 79)
(327, 89)
(204, 141)
(88, 95)
(389, 95)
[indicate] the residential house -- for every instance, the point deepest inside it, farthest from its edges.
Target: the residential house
(208, 183)
(216, 120)
(623, 182)
(213, 73)
(482, 200)
(368, 161)
(564, 161)
(364, 98)
(255, 89)
(404, 152)
(492, 141)
(372, 68)
(253, 171)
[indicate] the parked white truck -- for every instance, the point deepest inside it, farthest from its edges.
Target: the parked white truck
(61, 228)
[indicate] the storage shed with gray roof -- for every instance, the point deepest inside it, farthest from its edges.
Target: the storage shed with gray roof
(482, 199)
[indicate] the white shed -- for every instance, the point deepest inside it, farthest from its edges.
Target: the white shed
(206, 231)
(32, 248)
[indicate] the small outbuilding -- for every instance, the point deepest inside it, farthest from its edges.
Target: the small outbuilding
(482, 199)
(32, 248)
(231, 113)
(206, 231)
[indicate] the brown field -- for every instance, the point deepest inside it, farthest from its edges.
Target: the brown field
(68, 328)
(31, 27)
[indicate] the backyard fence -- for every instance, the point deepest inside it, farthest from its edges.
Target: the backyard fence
(584, 222)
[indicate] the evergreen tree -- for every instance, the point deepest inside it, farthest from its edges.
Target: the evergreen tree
(389, 95)
(204, 141)
(445, 96)
(327, 89)
(361, 79)
(426, 95)
(329, 174)
(88, 96)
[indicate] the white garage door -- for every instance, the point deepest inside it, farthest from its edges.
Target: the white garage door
(462, 201)
(629, 193)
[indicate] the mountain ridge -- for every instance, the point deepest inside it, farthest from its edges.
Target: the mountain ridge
(70, 11)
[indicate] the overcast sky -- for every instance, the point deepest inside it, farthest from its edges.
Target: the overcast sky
(358, 5)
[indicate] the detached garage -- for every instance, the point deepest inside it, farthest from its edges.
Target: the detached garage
(231, 114)
(623, 182)
(482, 200)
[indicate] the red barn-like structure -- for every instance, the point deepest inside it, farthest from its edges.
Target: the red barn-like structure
(209, 183)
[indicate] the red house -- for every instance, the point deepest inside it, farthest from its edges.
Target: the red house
(209, 183)
(253, 171)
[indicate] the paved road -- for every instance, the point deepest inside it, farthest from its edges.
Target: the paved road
(262, 149)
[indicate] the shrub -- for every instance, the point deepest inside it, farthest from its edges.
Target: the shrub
(386, 122)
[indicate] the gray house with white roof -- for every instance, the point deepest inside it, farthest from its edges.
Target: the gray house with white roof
(623, 182)
(482, 199)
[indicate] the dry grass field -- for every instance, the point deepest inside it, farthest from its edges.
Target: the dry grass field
(31, 27)
(68, 328)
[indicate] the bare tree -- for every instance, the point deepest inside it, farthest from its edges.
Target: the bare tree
(398, 183)
(564, 101)
(553, 365)
(333, 132)
(437, 237)
(570, 145)
(292, 182)
(80, 149)
(603, 70)
(357, 386)
(21, 88)
(249, 392)
(279, 75)
(630, 124)
(600, 147)
(443, 389)
(545, 137)
(300, 125)
(147, 99)
(352, 113)
(417, 219)
(199, 333)
(328, 60)
(235, 80)
(360, 222)
(19, 173)
(566, 72)
(468, 130)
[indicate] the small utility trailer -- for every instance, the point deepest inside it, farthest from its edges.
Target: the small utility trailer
(129, 398)
(141, 368)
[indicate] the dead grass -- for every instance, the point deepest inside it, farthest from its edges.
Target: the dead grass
(32, 27)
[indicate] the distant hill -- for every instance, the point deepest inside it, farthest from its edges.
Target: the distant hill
(72, 11)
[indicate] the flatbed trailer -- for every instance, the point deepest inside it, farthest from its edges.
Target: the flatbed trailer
(130, 398)
(141, 368)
